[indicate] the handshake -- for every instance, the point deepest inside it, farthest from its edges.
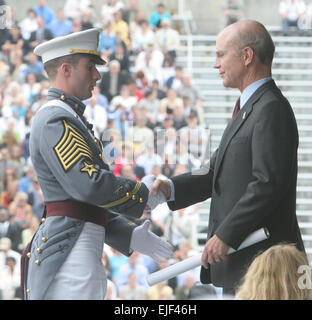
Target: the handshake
(143, 240)
(159, 191)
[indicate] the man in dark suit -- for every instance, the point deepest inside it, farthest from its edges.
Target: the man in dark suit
(251, 178)
(112, 80)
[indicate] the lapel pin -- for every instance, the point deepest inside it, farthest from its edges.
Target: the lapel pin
(244, 115)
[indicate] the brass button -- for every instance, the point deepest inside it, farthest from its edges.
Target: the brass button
(76, 105)
(76, 116)
(43, 220)
(37, 262)
(100, 155)
(63, 97)
(133, 197)
(127, 194)
(28, 291)
(39, 250)
(44, 239)
(141, 200)
(28, 255)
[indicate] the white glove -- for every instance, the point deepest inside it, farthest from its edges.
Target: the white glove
(153, 201)
(146, 242)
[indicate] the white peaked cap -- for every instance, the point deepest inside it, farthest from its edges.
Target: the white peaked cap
(79, 42)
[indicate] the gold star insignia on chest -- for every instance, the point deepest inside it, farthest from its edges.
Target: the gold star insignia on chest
(89, 168)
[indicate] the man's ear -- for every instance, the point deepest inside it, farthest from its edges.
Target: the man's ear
(66, 69)
(248, 55)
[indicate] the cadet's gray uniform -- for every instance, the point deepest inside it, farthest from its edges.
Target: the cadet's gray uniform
(68, 163)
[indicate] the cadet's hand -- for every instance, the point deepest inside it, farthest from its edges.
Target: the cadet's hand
(146, 242)
(215, 251)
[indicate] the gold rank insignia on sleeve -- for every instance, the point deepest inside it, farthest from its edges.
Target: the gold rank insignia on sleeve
(71, 147)
(89, 168)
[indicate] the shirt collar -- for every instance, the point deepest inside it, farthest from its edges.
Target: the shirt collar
(251, 89)
(72, 101)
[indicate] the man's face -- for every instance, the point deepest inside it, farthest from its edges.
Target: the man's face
(84, 77)
(228, 61)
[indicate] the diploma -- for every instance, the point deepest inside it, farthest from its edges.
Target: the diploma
(195, 261)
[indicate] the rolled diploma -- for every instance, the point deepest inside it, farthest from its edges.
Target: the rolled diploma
(195, 261)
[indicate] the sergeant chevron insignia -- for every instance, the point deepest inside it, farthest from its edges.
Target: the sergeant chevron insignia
(89, 168)
(71, 147)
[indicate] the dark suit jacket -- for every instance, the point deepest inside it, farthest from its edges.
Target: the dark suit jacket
(251, 180)
(47, 35)
(123, 78)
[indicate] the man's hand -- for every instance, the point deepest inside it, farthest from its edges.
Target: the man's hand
(215, 251)
(156, 195)
(161, 185)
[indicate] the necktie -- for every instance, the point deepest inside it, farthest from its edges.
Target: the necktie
(236, 109)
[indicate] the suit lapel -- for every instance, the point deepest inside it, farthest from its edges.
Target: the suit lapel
(235, 125)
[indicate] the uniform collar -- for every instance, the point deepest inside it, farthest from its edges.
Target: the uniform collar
(72, 101)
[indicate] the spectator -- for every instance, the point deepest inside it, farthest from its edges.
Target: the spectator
(167, 39)
(129, 14)
(121, 27)
(156, 88)
(41, 35)
(140, 135)
(124, 99)
(159, 15)
(116, 260)
(135, 91)
(34, 66)
(290, 12)
(112, 80)
(110, 8)
(171, 102)
(77, 25)
(9, 229)
(232, 11)
(10, 279)
(149, 159)
(150, 62)
(29, 24)
(193, 136)
(142, 36)
(167, 70)
(111, 291)
(61, 26)
(121, 55)
(132, 290)
(73, 9)
(96, 115)
(127, 171)
(29, 232)
(274, 275)
(86, 22)
(14, 44)
(45, 12)
(8, 195)
(30, 88)
(7, 251)
(133, 266)
(107, 41)
(160, 291)
(175, 82)
(25, 182)
(183, 292)
(151, 103)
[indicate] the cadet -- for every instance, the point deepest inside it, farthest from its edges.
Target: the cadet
(85, 204)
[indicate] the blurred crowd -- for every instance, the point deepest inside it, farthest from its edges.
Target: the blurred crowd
(146, 111)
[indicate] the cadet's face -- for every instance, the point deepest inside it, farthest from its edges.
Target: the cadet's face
(84, 78)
